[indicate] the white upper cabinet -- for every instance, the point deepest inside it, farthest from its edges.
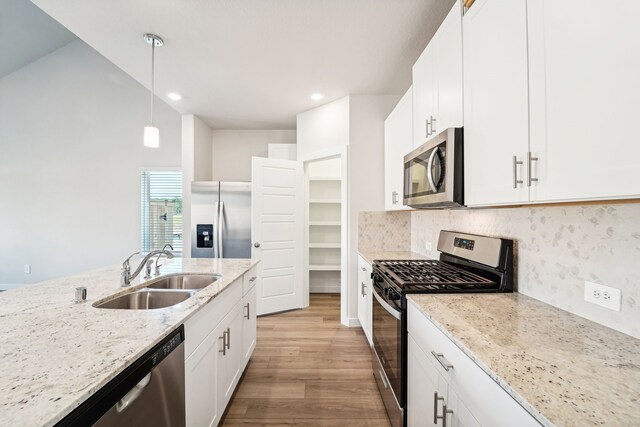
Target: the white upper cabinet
(584, 61)
(437, 81)
(398, 142)
(496, 112)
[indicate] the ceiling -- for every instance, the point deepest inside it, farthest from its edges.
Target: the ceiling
(252, 64)
(26, 34)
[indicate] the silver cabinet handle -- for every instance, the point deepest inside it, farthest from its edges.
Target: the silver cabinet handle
(253, 279)
(445, 411)
(248, 315)
(433, 122)
(228, 338)
(394, 197)
(436, 398)
(362, 287)
(444, 362)
(530, 159)
(516, 181)
(428, 132)
(224, 343)
(363, 269)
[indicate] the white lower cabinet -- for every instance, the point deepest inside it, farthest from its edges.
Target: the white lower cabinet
(249, 333)
(365, 295)
(201, 379)
(437, 365)
(214, 365)
(430, 397)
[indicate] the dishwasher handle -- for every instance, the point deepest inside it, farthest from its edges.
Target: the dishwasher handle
(133, 394)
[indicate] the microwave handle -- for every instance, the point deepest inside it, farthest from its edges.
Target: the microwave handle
(432, 184)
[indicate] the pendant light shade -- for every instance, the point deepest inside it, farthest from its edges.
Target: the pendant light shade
(151, 136)
(152, 133)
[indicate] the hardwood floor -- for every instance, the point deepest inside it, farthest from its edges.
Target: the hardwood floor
(308, 370)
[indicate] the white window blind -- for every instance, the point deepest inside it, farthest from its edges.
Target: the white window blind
(161, 210)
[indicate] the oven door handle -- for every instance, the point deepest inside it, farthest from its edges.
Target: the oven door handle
(392, 311)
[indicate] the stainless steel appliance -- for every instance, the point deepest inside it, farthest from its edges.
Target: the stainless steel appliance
(220, 219)
(468, 263)
(150, 392)
(434, 173)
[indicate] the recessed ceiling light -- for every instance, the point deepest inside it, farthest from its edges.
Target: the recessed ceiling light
(174, 96)
(317, 96)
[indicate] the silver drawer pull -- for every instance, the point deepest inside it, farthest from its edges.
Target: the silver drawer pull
(444, 362)
(253, 279)
(530, 160)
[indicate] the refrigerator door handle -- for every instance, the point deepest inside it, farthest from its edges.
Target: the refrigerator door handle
(220, 230)
(216, 231)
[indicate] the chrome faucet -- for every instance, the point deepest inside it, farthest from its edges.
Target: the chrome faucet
(157, 273)
(126, 276)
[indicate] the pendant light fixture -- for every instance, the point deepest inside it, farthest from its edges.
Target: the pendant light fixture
(152, 133)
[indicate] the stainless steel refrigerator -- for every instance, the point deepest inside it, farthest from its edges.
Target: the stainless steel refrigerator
(220, 219)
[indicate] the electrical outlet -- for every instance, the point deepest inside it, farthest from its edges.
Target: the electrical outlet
(427, 246)
(27, 269)
(602, 295)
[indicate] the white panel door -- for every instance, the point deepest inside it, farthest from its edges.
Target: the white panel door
(398, 142)
(277, 230)
(585, 86)
(496, 109)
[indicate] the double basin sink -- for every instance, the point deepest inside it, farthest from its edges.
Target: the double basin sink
(161, 293)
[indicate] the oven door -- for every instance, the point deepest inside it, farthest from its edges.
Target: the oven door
(387, 345)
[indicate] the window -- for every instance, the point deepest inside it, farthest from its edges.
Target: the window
(161, 210)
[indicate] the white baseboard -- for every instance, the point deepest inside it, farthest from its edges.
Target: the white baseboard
(324, 288)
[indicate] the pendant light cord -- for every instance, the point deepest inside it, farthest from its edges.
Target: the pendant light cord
(153, 62)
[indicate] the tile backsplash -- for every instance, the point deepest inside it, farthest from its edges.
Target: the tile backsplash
(558, 248)
(384, 231)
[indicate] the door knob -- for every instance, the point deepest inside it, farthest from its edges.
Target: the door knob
(256, 245)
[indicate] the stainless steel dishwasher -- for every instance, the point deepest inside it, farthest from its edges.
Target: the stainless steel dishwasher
(150, 392)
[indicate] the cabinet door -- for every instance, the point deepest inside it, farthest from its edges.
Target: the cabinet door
(495, 101)
(459, 415)
(398, 141)
(448, 71)
(424, 96)
(365, 302)
(201, 380)
(230, 360)
(423, 383)
(249, 325)
(584, 67)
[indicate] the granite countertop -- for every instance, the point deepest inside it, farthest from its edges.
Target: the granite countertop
(563, 369)
(55, 354)
(370, 256)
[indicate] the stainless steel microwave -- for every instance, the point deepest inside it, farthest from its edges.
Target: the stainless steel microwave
(434, 173)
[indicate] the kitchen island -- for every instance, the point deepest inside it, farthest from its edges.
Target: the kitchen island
(54, 353)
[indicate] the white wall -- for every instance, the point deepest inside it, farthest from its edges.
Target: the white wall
(323, 128)
(233, 149)
(71, 153)
(366, 172)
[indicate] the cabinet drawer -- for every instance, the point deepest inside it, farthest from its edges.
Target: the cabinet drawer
(249, 279)
(489, 403)
(204, 321)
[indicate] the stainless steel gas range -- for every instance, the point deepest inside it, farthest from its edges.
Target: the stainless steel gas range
(468, 263)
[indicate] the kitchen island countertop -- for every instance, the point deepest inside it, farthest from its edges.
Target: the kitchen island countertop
(563, 369)
(54, 354)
